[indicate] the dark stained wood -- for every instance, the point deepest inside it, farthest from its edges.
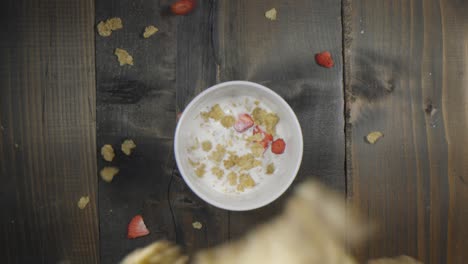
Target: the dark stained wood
(136, 102)
(406, 75)
(280, 55)
(196, 70)
(47, 132)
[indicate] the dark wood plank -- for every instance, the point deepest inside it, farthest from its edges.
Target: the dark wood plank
(280, 55)
(136, 102)
(406, 73)
(196, 71)
(47, 132)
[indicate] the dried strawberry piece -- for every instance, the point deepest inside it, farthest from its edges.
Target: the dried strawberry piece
(137, 227)
(183, 7)
(244, 122)
(324, 59)
(278, 146)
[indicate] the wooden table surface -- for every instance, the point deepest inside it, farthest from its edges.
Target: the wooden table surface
(401, 67)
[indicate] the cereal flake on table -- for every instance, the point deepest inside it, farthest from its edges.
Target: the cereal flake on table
(271, 14)
(150, 31)
(197, 225)
(374, 136)
(127, 146)
(83, 202)
(108, 173)
(123, 57)
(107, 152)
(105, 28)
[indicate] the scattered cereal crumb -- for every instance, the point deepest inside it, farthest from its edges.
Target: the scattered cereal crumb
(228, 121)
(215, 113)
(105, 28)
(257, 149)
(374, 136)
(218, 154)
(107, 152)
(127, 146)
(196, 145)
(269, 120)
(83, 202)
(271, 14)
(270, 168)
(16, 145)
(108, 173)
(231, 161)
(123, 57)
(245, 181)
(206, 145)
(197, 225)
(193, 163)
(200, 171)
(232, 178)
(247, 162)
(218, 172)
(362, 31)
(150, 31)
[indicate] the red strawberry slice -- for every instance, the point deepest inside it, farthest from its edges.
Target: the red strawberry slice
(324, 59)
(137, 227)
(278, 146)
(244, 122)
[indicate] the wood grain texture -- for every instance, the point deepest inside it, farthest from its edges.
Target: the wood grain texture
(47, 133)
(280, 55)
(136, 102)
(406, 74)
(196, 70)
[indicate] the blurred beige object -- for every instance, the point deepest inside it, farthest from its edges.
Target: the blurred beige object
(161, 252)
(397, 260)
(313, 229)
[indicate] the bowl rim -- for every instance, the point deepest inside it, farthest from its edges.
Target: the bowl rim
(183, 172)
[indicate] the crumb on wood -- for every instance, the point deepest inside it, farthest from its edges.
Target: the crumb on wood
(271, 14)
(107, 152)
(123, 57)
(374, 136)
(127, 146)
(83, 202)
(105, 28)
(150, 31)
(108, 173)
(197, 225)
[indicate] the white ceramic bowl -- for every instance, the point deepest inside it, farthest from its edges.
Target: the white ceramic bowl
(288, 128)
